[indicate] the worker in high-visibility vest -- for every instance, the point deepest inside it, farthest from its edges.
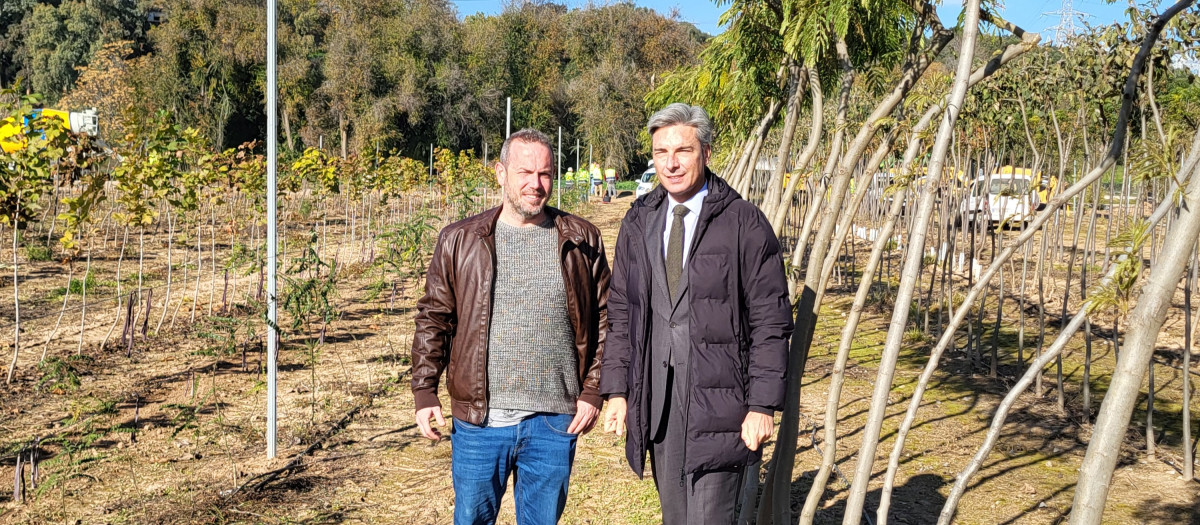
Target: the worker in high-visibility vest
(597, 180)
(610, 182)
(569, 177)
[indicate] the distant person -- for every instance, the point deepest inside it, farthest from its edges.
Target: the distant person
(515, 309)
(699, 319)
(610, 182)
(597, 181)
(570, 177)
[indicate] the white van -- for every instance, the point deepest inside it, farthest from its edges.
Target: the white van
(647, 180)
(1001, 198)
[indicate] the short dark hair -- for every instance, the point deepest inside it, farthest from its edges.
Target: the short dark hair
(527, 135)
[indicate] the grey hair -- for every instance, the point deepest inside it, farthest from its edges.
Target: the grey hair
(680, 113)
(527, 135)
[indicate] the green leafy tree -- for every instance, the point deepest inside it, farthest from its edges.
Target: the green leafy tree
(26, 176)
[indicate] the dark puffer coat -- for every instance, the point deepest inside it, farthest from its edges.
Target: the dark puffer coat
(741, 318)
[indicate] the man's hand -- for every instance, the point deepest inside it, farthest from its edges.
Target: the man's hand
(585, 418)
(614, 417)
(756, 429)
(427, 430)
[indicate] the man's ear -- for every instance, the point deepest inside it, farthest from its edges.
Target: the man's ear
(501, 173)
(707, 154)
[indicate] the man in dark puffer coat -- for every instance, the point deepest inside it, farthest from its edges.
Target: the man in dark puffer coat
(699, 320)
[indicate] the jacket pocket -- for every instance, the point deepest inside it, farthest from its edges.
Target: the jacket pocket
(717, 365)
(710, 276)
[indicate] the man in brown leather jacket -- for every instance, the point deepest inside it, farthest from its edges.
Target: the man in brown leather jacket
(515, 312)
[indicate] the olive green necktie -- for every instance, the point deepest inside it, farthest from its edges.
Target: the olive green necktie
(675, 250)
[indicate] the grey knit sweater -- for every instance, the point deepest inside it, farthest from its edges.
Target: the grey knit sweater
(532, 361)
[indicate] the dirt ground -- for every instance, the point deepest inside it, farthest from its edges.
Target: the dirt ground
(175, 433)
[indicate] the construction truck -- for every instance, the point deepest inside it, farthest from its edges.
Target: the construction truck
(11, 139)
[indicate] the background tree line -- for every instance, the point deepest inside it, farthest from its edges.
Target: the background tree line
(354, 75)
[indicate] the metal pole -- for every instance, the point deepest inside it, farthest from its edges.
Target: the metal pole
(485, 158)
(577, 155)
(272, 240)
(508, 119)
(431, 162)
(559, 162)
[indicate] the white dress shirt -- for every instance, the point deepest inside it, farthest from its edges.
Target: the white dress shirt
(694, 205)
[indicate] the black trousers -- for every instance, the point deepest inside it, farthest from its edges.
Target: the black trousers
(700, 498)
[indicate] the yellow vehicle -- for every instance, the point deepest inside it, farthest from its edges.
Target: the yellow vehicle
(78, 122)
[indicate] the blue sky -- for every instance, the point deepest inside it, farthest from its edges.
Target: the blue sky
(1025, 13)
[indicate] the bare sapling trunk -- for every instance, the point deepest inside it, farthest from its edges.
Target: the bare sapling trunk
(120, 259)
(199, 265)
(12, 366)
(810, 149)
(141, 267)
(834, 397)
(813, 214)
(170, 270)
(1186, 442)
(994, 366)
(908, 281)
(1005, 407)
(87, 270)
(745, 169)
(796, 84)
(212, 238)
(1145, 321)
(846, 221)
(1029, 41)
(62, 311)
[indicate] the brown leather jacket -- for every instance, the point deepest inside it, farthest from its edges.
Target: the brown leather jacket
(454, 315)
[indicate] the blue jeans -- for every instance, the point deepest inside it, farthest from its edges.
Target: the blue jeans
(538, 452)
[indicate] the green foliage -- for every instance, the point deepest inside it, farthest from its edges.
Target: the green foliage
(26, 174)
(310, 287)
(76, 286)
(153, 161)
(71, 462)
(406, 246)
(37, 252)
(316, 167)
(57, 376)
(61, 39)
(1154, 159)
(226, 332)
(185, 415)
(87, 406)
(1126, 248)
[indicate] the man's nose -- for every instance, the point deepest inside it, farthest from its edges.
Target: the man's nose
(672, 162)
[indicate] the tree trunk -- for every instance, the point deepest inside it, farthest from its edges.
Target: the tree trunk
(342, 132)
(61, 312)
(837, 379)
(1040, 220)
(908, 280)
(1145, 321)
(167, 293)
(12, 366)
(120, 259)
(810, 149)
(87, 270)
(287, 127)
(1186, 444)
(1055, 350)
(797, 78)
